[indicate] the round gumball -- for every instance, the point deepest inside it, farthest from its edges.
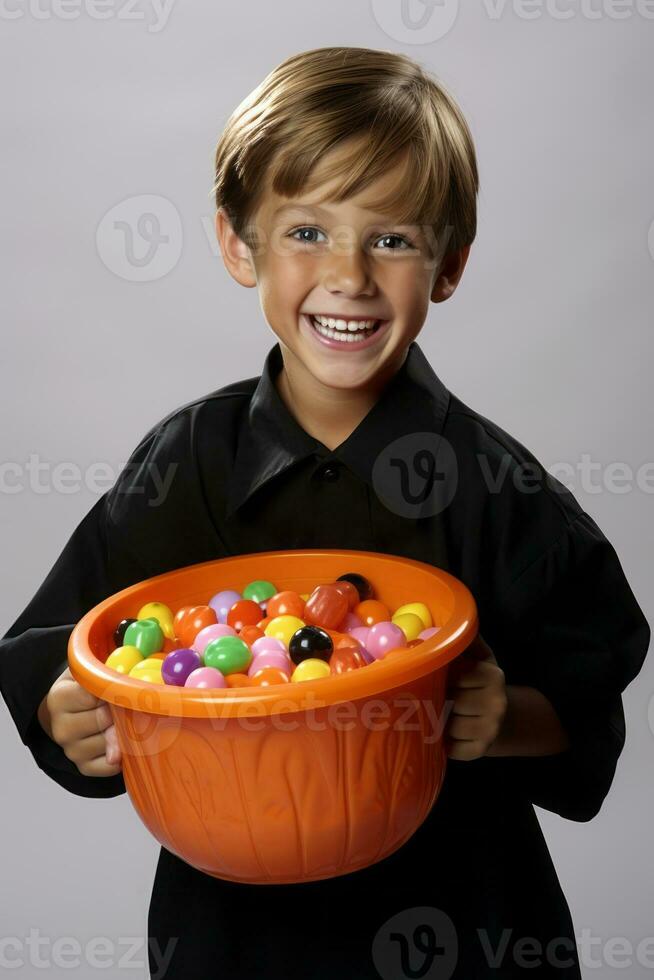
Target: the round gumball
(268, 676)
(222, 602)
(349, 591)
(159, 655)
(179, 664)
(146, 635)
(205, 677)
(270, 658)
(263, 622)
(311, 670)
(326, 607)
(148, 670)
(283, 627)
(418, 609)
(119, 632)
(350, 622)
(383, 638)
(123, 659)
(409, 623)
(228, 654)
(310, 642)
(244, 612)
(209, 633)
(189, 620)
(238, 680)
(162, 613)
(268, 643)
(360, 633)
(361, 584)
(286, 603)
(259, 590)
(371, 611)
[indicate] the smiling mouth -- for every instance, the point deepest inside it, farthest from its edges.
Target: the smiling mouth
(344, 336)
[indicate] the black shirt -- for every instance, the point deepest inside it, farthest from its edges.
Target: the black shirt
(424, 476)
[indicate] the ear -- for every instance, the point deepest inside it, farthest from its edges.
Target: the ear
(449, 274)
(235, 253)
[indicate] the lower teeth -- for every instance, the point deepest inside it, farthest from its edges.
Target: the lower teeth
(343, 335)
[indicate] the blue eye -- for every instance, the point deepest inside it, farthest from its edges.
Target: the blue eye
(386, 237)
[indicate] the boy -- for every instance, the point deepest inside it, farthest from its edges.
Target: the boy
(337, 154)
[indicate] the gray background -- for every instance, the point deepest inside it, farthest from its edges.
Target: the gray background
(549, 335)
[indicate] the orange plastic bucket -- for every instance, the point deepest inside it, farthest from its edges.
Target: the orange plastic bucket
(292, 782)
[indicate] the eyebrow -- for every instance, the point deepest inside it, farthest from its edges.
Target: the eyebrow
(382, 218)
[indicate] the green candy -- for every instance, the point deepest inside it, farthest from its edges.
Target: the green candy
(228, 654)
(259, 590)
(146, 635)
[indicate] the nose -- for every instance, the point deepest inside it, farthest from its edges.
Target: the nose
(347, 271)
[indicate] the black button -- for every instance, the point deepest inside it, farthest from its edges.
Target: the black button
(327, 472)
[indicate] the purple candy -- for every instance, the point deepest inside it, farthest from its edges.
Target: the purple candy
(205, 677)
(209, 633)
(384, 637)
(222, 602)
(350, 623)
(176, 667)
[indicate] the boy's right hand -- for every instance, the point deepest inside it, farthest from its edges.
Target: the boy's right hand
(82, 725)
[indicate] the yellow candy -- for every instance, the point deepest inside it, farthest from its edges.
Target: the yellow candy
(410, 624)
(304, 595)
(419, 609)
(310, 670)
(123, 659)
(148, 670)
(162, 613)
(283, 627)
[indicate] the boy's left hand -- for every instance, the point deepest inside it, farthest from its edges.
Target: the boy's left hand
(476, 685)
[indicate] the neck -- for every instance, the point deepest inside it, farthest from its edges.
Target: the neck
(327, 414)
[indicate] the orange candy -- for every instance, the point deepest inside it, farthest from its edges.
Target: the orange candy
(189, 620)
(244, 612)
(238, 680)
(345, 659)
(287, 603)
(269, 675)
(372, 611)
(326, 607)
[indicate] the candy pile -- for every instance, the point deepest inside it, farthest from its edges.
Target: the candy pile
(261, 636)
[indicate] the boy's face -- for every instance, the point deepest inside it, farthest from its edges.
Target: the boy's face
(346, 261)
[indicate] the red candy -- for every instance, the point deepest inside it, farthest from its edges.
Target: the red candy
(326, 607)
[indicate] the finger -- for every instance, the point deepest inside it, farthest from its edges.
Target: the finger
(83, 724)
(76, 698)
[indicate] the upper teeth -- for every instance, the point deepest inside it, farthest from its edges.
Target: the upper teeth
(329, 321)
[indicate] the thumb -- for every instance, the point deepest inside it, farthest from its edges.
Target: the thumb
(479, 650)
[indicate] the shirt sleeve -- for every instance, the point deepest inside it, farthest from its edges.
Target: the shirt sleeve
(570, 626)
(33, 652)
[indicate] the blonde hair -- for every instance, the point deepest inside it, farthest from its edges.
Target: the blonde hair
(382, 101)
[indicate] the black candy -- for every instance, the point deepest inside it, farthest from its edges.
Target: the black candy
(119, 632)
(310, 641)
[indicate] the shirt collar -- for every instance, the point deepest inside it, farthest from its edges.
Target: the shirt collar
(270, 439)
